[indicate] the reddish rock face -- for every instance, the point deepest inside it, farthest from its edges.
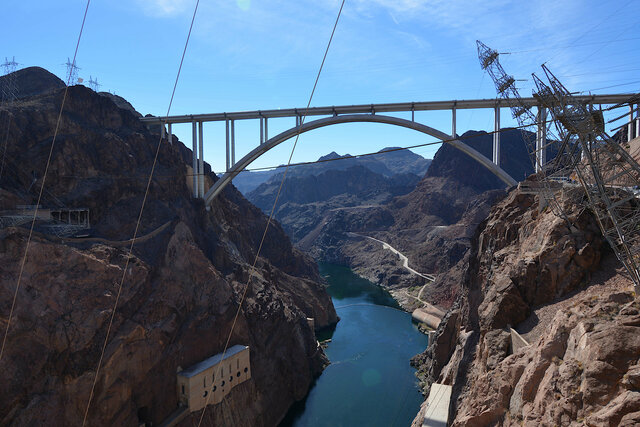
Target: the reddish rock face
(529, 270)
(181, 290)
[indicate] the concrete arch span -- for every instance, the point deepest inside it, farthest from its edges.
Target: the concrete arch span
(352, 118)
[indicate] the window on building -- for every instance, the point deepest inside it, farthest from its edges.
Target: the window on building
(215, 387)
(238, 374)
(238, 364)
(182, 388)
(222, 383)
(231, 378)
(222, 371)
(246, 370)
(205, 393)
(204, 381)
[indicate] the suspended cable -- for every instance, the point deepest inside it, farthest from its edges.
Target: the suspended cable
(135, 233)
(273, 208)
(44, 178)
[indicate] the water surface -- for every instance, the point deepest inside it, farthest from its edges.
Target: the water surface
(369, 381)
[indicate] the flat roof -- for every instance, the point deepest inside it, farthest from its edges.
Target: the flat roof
(211, 361)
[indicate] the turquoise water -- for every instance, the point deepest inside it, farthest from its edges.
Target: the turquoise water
(369, 381)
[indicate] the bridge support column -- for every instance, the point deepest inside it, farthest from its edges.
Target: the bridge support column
(453, 122)
(266, 129)
(162, 132)
(233, 143)
(194, 172)
(630, 125)
(496, 136)
(200, 162)
(262, 131)
(638, 121)
(169, 134)
(541, 139)
(226, 123)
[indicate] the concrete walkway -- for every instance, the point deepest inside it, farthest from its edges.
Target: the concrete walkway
(436, 413)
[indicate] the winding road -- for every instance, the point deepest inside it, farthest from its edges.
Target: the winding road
(405, 260)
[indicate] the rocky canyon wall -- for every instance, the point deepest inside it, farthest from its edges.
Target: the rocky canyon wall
(181, 290)
(562, 289)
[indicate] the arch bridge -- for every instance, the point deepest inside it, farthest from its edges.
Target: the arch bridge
(354, 114)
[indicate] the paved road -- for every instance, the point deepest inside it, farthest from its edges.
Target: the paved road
(405, 260)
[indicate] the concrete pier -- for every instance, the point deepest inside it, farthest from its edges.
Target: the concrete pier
(496, 136)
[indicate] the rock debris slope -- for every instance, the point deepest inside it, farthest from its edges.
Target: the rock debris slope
(181, 291)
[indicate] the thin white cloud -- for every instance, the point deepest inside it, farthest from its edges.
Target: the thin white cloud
(163, 8)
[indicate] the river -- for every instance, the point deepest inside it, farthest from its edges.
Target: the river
(369, 381)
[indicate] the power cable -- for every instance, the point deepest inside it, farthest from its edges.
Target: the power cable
(593, 27)
(273, 208)
(135, 233)
(605, 42)
(44, 178)
(618, 85)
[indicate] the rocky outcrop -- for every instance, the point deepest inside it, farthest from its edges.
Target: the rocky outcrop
(181, 291)
(30, 81)
(307, 200)
(530, 270)
(514, 159)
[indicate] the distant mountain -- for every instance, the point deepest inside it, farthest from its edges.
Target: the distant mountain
(312, 192)
(385, 163)
(247, 181)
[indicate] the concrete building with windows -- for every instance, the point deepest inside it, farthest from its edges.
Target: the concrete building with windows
(213, 378)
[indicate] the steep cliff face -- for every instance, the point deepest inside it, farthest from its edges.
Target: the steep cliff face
(513, 159)
(181, 290)
(558, 286)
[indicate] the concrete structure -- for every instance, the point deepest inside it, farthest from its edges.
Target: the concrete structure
(353, 118)
(428, 318)
(60, 221)
(215, 375)
(78, 217)
(436, 413)
(350, 114)
(517, 342)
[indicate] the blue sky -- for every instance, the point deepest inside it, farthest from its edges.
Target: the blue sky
(251, 54)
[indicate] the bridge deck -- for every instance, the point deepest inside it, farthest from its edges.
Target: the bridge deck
(371, 108)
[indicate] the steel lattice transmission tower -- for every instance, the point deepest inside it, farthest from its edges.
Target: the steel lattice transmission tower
(72, 72)
(8, 95)
(536, 131)
(581, 148)
(607, 172)
(93, 84)
(8, 87)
